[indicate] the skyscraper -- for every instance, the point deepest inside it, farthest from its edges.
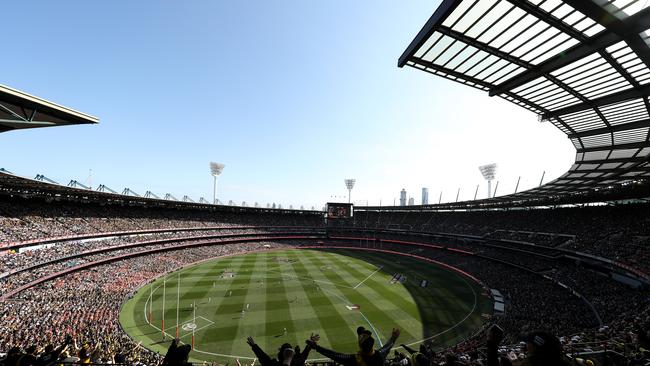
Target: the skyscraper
(402, 197)
(425, 196)
(411, 201)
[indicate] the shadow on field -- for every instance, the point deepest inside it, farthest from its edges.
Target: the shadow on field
(162, 341)
(444, 301)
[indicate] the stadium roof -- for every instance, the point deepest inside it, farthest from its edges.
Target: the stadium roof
(21, 110)
(14, 185)
(583, 65)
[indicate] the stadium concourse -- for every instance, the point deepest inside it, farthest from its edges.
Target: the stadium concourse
(565, 264)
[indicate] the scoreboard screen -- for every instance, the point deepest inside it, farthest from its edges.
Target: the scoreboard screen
(339, 210)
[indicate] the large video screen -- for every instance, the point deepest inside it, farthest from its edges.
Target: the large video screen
(339, 210)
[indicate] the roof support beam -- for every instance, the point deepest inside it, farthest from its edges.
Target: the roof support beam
(483, 47)
(539, 13)
(637, 159)
(635, 145)
(451, 72)
(534, 105)
(20, 123)
(573, 54)
(505, 56)
(618, 68)
(442, 12)
(615, 128)
(632, 25)
(608, 99)
(615, 25)
(588, 171)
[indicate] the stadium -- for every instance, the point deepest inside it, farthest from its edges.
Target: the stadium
(557, 274)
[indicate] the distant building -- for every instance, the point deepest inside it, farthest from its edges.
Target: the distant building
(425, 196)
(402, 197)
(411, 201)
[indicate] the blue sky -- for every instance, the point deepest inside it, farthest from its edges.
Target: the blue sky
(292, 96)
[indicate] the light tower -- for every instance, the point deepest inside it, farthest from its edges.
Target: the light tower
(349, 183)
(215, 170)
(489, 171)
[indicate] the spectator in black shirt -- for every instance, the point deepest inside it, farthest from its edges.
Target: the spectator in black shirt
(366, 356)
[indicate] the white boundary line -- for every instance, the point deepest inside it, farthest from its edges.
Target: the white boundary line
(337, 295)
(455, 325)
(195, 349)
(187, 332)
(346, 301)
(365, 279)
(361, 313)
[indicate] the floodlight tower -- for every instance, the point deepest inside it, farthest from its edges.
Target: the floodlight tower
(215, 170)
(349, 183)
(488, 171)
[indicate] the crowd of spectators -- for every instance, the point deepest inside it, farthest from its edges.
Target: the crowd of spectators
(550, 300)
(608, 296)
(532, 300)
(74, 317)
(626, 343)
(32, 256)
(85, 305)
(618, 232)
(30, 219)
(14, 279)
(552, 240)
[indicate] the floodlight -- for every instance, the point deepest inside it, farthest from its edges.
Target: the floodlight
(488, 171)
(349, 184)
(215, 170)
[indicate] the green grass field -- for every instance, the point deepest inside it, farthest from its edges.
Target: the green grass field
(305, 291)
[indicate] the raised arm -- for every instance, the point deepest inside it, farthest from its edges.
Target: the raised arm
(494, 337)
(342, 358)
(409, 349)
(259, 353)
(383, 351)
(305, 352)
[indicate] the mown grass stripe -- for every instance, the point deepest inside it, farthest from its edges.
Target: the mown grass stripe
(302, 309)
(398, 304)
(225, 315)
(439, 306)
(340, 327)
(368, 308)
(440, 301)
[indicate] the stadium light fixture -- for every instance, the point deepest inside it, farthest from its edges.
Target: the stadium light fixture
(215, 169)
(488, 171)
(349, 184)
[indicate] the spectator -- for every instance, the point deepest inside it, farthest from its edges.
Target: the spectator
(285, 354)
(542, 349)
(177, 355)
(366, 356)
(422, 357)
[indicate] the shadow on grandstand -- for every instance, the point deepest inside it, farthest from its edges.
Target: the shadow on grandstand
(443, 303)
